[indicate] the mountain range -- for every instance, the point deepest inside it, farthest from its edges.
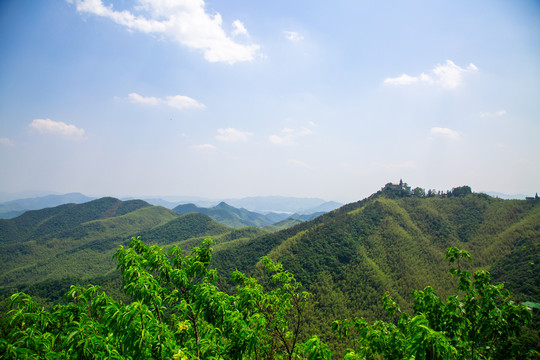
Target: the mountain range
(15, 206)
(237, 218)
(80, 239)
(348, 258)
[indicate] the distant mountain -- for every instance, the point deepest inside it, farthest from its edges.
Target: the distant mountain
(8, 196)
(231, 216)
(306, 217)
(282, 204)
(161, 202)
(259, 204)
(322, 208)
(15, 208)
(506, 196)
(171, 202)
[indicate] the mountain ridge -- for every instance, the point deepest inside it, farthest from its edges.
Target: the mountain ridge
(17, 207)
(232, 216)
(79, 239)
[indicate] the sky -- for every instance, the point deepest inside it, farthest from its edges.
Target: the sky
(237, 98)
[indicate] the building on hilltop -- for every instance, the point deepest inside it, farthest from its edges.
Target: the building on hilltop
(400, 186)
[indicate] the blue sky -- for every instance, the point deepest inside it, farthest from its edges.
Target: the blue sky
(222, 99)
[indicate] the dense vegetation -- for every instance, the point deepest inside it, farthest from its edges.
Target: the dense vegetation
(79, 240)
(396, 242)
(176, 311)
(392, 242)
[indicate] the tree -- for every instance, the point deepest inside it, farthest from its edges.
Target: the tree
(176, 312)
(419, 192)
(461, 191)
(482, 324)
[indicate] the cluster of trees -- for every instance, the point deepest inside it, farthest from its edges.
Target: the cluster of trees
(403, 189)
(176, 311)
(460, 191)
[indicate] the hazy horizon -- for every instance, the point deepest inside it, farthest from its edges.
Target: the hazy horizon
(234, 99)
(7, 197)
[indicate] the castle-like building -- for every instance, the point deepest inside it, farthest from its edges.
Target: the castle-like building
(400, 186)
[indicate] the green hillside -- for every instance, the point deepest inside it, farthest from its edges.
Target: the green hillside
(78, 241)
(83, 251)
(38, 223)
(348, 258)
(394, 242)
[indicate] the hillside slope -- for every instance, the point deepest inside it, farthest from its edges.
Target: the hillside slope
(78, 241)
(349, 257)
(38, 223)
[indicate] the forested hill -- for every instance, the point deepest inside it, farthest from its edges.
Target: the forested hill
(393, 241)
(79, 240)
(38, 223)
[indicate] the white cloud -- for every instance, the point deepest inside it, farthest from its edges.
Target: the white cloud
(138, 99)
(407, 79)
(232, 135)
(48, 126)
(288, 136)
(185, 22)
(300, 164)
(444, 133)
(448, 76)
(183, 102)
(204, 147)
(6, 142)
(293, 36)
(177, 101)
(493, 114)
(239, 28)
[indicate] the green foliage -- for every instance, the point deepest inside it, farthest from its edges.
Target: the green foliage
(482, 324)
(380, 244)
(347, 258)
(39, 223)
(176, 311)
(520, 270)
(84, 250)
(461, 191)
(183, 228)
